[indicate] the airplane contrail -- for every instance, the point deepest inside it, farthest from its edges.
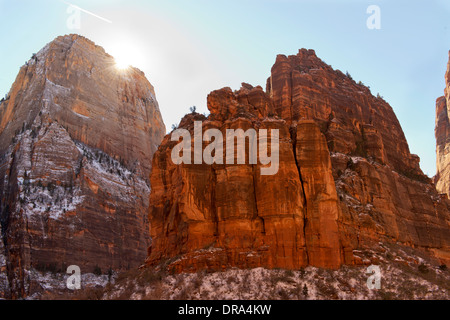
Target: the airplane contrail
(86, 11)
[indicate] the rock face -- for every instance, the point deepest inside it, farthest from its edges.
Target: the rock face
(4, 284)
(346, 180)
(76, 141)
(353, 120)
(443, 138)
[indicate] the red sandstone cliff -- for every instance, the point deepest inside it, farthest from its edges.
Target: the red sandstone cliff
(347, 180)
(443, 138)
(76, 142)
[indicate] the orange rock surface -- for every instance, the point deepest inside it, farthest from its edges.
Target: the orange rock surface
(443, 138)
(346, 180)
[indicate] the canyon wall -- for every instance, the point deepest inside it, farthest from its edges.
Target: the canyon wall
(346, 180)
(443, 138)
(76, 141)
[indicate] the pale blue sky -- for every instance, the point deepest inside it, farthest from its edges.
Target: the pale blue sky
(189, 48)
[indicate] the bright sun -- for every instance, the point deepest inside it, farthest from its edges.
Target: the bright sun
(121, 63)
(126, 55)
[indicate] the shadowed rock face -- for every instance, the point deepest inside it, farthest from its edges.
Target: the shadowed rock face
(346, 180)
(76, 141)
(443, 138)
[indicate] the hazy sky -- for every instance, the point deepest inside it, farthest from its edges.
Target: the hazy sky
(187, 48)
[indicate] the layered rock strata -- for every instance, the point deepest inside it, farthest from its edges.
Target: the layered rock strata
(346, 180)
(76, 141)
(443, 138)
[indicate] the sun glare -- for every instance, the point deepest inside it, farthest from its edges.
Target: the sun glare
(125, 56)
(121, 63)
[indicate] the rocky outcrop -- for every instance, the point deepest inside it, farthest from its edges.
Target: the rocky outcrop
(346, 180)
(354, 121)
(76, 141)
(225, 215)
(443, 138)
(194, 216)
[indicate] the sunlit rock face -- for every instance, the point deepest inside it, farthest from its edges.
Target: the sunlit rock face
(77, 137)
(346, 181)
(443, 138)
